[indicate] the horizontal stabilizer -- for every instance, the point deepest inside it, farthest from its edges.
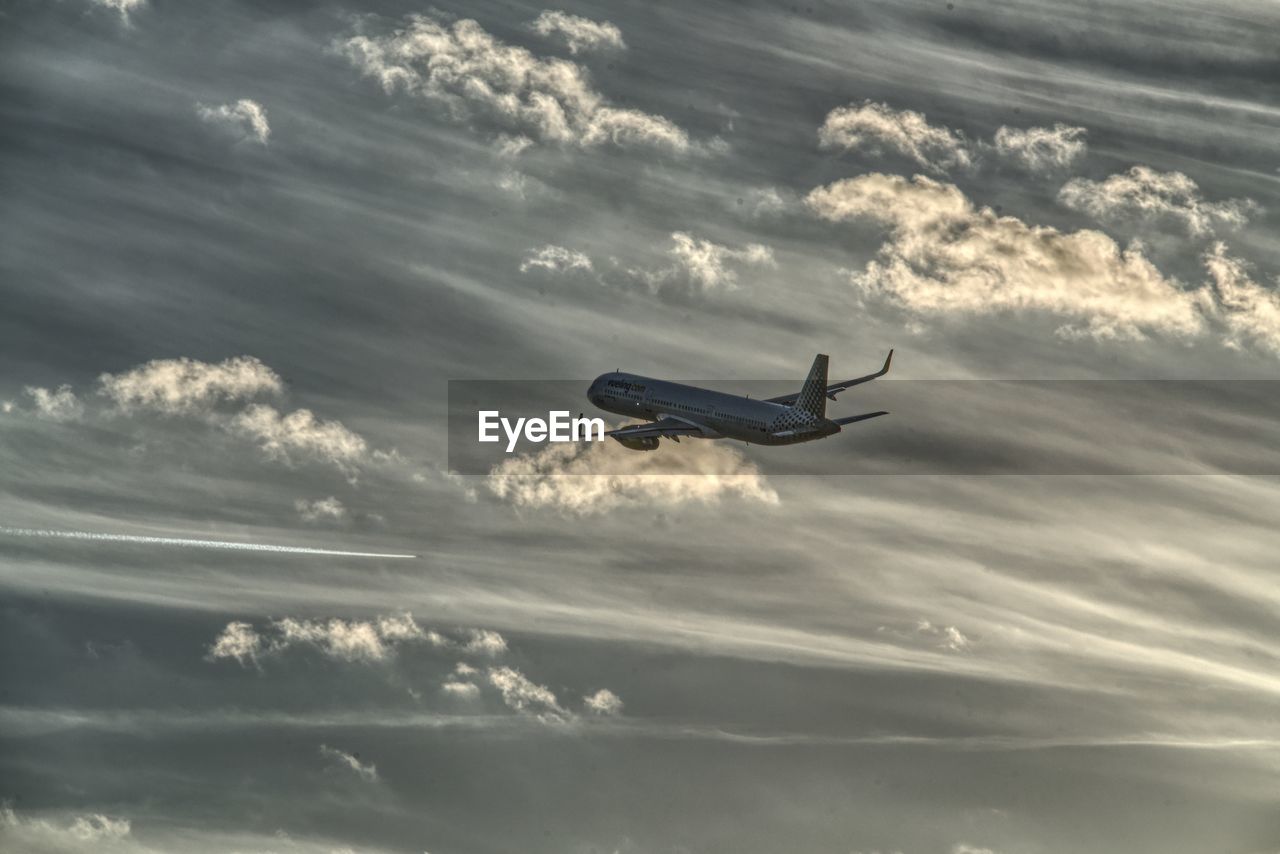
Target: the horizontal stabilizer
(863, 417)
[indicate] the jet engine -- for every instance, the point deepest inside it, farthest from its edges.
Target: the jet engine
(643, 443)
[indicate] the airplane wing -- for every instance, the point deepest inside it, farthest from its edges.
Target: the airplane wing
(836, 388)
(671, 428)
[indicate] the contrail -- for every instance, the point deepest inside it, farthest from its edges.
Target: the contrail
(186, 543)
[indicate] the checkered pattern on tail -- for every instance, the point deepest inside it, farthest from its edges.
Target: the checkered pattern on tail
(813, 395)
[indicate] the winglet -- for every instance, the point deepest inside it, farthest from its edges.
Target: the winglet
(887, 360)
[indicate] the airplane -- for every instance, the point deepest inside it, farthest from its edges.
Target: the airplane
(674, 410)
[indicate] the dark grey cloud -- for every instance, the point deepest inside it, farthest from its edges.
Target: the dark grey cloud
(855, 663)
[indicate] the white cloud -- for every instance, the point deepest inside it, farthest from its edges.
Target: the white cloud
(1041, 149)
(696, 264)
(244, 118)
(399, 627)
(94, 832)
(474, 75)
(1142, 193)
(524, 695)
(710, 265)
(60, 404)
(354, 640)
(464, 669)
(603, 702)
(556, 259)
(460, 689)
(485, 642)
(90, 831)
(1249, 311)
(124, 7)
(6, 406)
(237, 641)
(875, 127)
(183, 386)
(373, 640)
(300, 433)
(320, 509)
(944, 256)
(579, 34)
(962, 848)
(599, 477)
(945, 637)
(511, 146)
(368, 773)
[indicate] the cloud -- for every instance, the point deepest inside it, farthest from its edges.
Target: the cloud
(524, 695)
(183, 386)
(245, 119)
(1041, 149)
(368, 773)
(710, 265)
(301, 434)
(603, 702)
(460, 689)
(367, 641)
(1250, 312)
(58, 405)
(354, 640)
(125, 7)
(875, 127)
(945, 256)
(579, 34)
(485, 642)
(474, 75)
(962, 848)
(946, 637)
(599, 477)
(320, 509)
(557, 259)
(237, 641)
(90, 831)
(1143, 194)
(697, 264)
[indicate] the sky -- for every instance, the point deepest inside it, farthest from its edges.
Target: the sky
(248, 605)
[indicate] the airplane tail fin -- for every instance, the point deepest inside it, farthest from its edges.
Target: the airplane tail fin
(813, 394)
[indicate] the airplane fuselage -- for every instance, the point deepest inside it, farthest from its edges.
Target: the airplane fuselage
(716, 415)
